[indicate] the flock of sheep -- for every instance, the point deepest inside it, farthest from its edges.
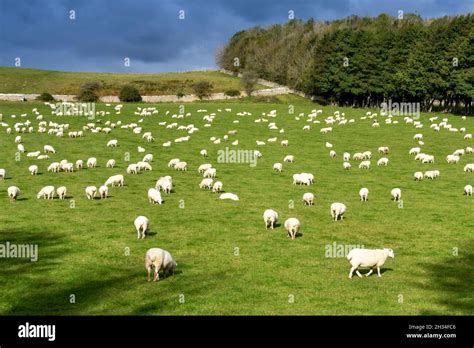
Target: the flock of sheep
(161, 259)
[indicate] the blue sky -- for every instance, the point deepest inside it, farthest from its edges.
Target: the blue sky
(151, 34)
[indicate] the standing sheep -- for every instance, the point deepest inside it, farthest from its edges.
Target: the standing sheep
(270, 217)
(103, 191)
(396, 194)
(364, 194)
(468, 190)
(278, 167)
(91, 192)
(368, 258)
(141, 225)
(13, 192)
(292, 225)
(337, 211)
(46, 192)
(33, 169)
(308, 198)
(3, 174)
(92, 162)
(159, 259)
(217, 187)
(154, 196)
(61, 192)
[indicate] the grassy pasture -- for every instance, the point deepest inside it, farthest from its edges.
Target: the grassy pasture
(82, 250)
(23, 80)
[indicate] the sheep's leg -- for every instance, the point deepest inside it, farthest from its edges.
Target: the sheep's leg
(358, 273)
(370, 272)
(352, 271)
(149, 271)
(378, 271)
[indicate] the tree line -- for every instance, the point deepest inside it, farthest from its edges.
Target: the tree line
(364, 61)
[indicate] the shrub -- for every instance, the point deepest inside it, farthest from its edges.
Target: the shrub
(202, 89)
(46, 97)
(232, 93)
(249, 80)
(129, 93)
(88, 96)
(180, 95)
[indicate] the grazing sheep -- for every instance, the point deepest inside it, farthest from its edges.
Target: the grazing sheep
(132, 169)
(49, 149)
(396, 194)
(110, 163)
(382, 161)
(364, 165)
(308, 198)
(115, 180)
(13, 192)
(468, 190)
(206, 183)
(203, 153)
(301, 179)
(346, 157)
(332, 154)
(181, 166)
(33, 169)
(270, 217)
(469, 168)
(203, 167)
(159, 259)
(164, 183)
(54, 167)
(103, 191)
(289, 159)
(112, 143)
(368, 258)
(346, 165)
(91, 192)
(284, 143)
(452, 159)
(337, 211)
(229, 195)
(383, 149)
(418, 136)
(46, 192)
(364, 194)
(154, 196)
(79, 164)
(430, 175)
(141, 225)
(358, 156)
(144, 166)
(217, 187)
(61, 192)
(292, 225)
(148, 158)
(210, 173)
(418, 176)
(278, 167)
(414, 151)
(92, 162)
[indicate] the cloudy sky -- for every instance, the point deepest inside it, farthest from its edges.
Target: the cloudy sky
(152, 35)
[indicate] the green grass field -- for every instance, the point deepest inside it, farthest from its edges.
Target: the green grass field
(227, 262)
(22, 80)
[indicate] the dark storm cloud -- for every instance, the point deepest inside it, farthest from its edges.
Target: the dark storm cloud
(150, 33)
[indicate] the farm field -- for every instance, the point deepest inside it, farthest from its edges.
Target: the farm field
(228, 263)
(15, 80)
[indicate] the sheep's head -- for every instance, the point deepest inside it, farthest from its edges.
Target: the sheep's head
(390, 253)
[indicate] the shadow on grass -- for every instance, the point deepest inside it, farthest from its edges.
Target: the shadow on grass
(453, 281)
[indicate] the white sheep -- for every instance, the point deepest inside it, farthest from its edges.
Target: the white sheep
(154, 196)
(278, 167)
(91, 192)
(206, 183)
(346, 165)
(337, 211)
(142, 225)
(144, 166)
(203, 167)
(414, 151)
(148, 158)
(217, 187)
(92, 162)
(418, 176)
(364, 165)
(289, 159)
(292, 225)
(364, 194)
(54, 167)
(284, 143)
(46, 192)
(13, 192)
(229, 195)
(33, 169)
(469, 168)
(203, 153)
(346, 157)
(79, 164)
(308, 198)
(112, 143)
(382, 161)
(368, 258)
(103, 191)
(61, 192)
(132, 168)
(49, 149)
(270, 217)
(159, 259)
(468, 190)
(110, 163)
(396, 194)
(181, 166)
(173, 162)
(115, 180)
(210, 173)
